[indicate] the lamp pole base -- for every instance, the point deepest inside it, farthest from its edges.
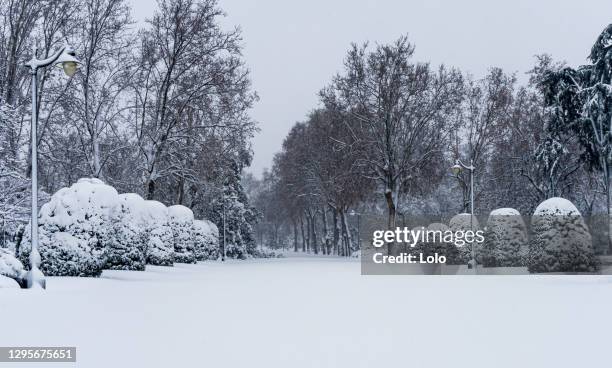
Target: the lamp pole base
(35, 279)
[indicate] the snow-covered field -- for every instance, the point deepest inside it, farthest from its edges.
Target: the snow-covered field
(313, 312)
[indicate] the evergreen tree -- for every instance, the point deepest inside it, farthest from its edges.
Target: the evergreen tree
(581, 100)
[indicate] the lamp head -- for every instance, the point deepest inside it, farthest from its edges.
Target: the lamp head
(68, 61)
(456, 169)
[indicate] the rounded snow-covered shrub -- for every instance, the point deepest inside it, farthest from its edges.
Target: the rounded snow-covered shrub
(459, 225)
(159, 241)
(74, 230)
(11, 266)
(435, 240)
(561, 240)
(8, 283)
(181, 223)
(417, 245)
(127, 249)
(206, 240)
(505, 239)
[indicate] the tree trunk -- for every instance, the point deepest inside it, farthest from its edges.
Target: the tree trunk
(150, 189)
(337, 230)
(348, 245)
(295, 236)
(391, 248)
(95, 154)
(308, 233)
(313, 237)
(325, 243)
(303, 235)
(180, 197)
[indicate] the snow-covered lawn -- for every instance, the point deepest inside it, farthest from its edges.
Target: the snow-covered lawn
(313, 312)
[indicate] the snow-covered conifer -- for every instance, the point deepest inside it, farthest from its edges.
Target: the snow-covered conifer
(181, 223)
(460, 224)
(435, 237)
(159, 239)
(11, 266)
(505, 242)
(206, 240)
(74, 230)
(561, 240)
(127, 248)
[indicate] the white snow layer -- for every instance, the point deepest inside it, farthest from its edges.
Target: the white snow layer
(78, 203)
(313, 312)
(505, 212)
(556, 206)
(7, 283)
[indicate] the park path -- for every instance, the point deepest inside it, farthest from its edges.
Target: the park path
(312, 312)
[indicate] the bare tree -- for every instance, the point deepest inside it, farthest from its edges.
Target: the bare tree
(401, 114)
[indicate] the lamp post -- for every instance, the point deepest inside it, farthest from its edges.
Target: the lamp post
(65, 57)
(457, 168)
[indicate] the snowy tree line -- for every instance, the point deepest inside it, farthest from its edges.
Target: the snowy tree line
(388, 129)
(159, 109)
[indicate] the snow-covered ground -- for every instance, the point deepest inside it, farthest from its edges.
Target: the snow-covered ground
(313, 312)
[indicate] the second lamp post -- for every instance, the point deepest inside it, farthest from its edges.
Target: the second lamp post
(457, 168)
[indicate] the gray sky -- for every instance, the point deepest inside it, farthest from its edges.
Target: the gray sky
(293, 48)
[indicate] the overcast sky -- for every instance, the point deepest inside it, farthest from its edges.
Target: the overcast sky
(293, 48)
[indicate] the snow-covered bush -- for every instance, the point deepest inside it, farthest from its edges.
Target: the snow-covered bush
(206, 240)
(561, 240)
(264, 252)
(461, 223)
(127, 249)
(181, 223)
(8, 283)
(435, 243)
(159, 241)
(418, 246)
(505, 239)
(11, 266)
(74, 230)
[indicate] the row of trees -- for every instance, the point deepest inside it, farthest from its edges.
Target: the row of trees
(389, 128)
(160, 110)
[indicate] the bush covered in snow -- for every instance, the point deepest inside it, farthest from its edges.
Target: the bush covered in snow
(561, 240)
(159, 241)
(206, 240)
(181, 223)
(436, 244)
(74, 229)
(266, 253)
(461, 222)
(505, 242)
(127, 249)
(11, 266)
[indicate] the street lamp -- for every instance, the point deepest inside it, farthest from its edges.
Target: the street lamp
(65, 58)
(457, 168)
